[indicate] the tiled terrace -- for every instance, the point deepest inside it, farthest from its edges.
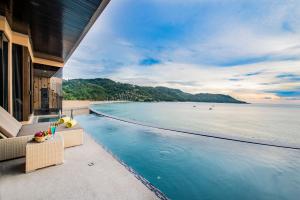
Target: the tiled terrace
(105, 179)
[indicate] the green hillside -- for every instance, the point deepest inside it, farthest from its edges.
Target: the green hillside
(105, 89)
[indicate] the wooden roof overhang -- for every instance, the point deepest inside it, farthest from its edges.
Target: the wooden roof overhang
(52, 29)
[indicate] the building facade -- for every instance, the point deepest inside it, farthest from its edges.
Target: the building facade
(36, 39)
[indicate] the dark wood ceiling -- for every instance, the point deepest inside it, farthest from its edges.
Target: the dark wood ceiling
(40, 70)
(55, 26)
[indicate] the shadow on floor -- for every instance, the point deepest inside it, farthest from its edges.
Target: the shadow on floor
(13, 167)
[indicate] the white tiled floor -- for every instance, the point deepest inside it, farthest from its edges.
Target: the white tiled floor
(75, 179)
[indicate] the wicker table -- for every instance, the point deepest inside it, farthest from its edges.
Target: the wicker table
(72, 136)
(39, 155)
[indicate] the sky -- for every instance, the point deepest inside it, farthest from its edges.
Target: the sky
(247, 49)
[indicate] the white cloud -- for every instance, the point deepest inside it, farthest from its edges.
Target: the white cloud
(214, 79)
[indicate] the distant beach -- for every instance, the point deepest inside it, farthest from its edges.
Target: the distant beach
(81, 107)
(83, 103)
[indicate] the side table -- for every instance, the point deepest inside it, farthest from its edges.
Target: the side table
(40, 155)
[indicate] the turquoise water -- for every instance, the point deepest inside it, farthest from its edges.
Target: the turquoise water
(48, 119)
(193, 167)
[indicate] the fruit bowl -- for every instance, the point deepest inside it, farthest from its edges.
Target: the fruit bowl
(40, 139)
(41, 136)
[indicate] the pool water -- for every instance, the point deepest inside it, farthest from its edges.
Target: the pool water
(193, 167)
(48, 119)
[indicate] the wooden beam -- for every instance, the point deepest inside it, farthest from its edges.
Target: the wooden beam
(26, 83)
(21, 39)
(10, 79)
(4, 26)
(48, 62)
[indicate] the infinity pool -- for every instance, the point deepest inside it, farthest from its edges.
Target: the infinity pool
(193, 167)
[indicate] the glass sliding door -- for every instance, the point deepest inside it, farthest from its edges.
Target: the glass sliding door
(3, 71)
(17, 86)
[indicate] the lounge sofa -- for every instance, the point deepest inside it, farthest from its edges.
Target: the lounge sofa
(15, 135)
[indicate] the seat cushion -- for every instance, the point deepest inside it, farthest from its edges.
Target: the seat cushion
(31, 129)
(9, 126)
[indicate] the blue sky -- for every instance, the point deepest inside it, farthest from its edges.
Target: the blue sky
(247, 49)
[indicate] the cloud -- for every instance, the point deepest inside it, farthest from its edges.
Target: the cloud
(212, 79)
(253, 73)
(289, 77)
(184, 83)
(235, 79)
(249, 49)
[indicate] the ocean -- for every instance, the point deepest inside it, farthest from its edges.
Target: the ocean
(185, 166)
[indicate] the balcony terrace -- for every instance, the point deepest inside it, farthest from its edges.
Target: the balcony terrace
(88, 172)
(36, 40)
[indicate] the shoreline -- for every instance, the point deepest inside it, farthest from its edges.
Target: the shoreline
(81, 107)
(68, 104)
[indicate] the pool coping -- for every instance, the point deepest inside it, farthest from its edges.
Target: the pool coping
(37, 117)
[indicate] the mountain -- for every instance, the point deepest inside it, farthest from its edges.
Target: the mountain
(99, 89)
